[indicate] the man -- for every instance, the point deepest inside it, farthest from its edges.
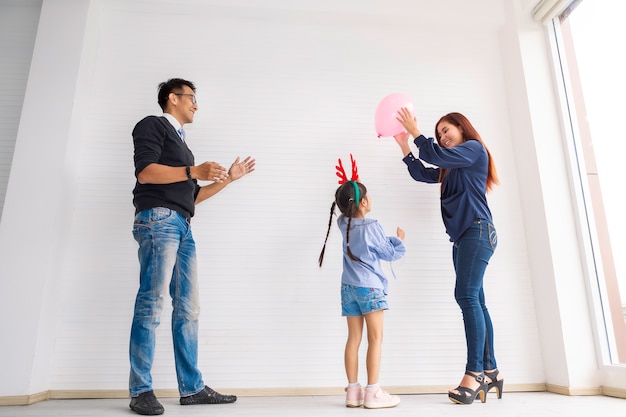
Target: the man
(165, 196)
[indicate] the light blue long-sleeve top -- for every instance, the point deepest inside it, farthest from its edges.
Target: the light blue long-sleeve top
(368, 243)
(463, 192)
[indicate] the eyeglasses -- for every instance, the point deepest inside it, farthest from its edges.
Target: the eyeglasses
(193, 96)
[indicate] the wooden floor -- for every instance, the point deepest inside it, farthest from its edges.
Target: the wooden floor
(514, 404)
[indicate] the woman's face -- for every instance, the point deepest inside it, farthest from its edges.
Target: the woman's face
(449, 135)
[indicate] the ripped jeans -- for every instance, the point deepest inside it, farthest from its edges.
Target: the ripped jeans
(167, 253)
(471, 254)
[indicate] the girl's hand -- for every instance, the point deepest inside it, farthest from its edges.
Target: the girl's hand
(400, 233)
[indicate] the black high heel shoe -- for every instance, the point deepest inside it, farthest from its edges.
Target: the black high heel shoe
(498, 385)
(463, 398)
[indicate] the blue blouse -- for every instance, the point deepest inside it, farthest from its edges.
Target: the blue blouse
(463, 192)
(368, 243)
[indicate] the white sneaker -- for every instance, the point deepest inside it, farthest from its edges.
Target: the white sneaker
(379, 398)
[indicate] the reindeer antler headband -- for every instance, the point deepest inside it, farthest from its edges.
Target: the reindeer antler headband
(341, 173)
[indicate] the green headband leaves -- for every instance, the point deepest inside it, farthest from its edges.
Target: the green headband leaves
(357, 193)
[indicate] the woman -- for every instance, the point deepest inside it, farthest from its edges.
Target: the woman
(466, 172)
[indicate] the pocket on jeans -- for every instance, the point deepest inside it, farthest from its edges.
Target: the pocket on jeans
(160, 213)
(493, 236)
(146, 218)
(366, 294)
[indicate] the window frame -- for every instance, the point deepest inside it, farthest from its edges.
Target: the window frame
(591, 220)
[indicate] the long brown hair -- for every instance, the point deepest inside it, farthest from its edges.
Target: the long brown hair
(469, 133)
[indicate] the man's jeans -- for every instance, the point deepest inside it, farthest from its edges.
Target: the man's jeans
(166, 252)
(471, 254)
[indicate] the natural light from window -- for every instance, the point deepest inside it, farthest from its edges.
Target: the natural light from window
(599, 32)
(592, 33)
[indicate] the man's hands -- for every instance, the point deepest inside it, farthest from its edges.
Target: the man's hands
(209, 171)
(212, 171)
(239, 169)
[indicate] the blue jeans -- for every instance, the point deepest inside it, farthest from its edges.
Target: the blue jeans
(358, 301)
(471, 254)
(167, 251)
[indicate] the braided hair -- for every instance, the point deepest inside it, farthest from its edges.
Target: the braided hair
(345, 200)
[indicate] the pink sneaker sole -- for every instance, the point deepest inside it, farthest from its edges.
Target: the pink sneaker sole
(380, 399)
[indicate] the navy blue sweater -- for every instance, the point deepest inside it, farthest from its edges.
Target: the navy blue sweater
(463, 192)
(156, 141)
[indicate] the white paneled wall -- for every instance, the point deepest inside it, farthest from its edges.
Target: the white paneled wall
(295, 85)
(18, 26)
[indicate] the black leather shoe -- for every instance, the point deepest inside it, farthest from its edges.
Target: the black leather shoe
(146, 404)
(208, 396)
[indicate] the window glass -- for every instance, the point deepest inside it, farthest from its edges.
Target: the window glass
(592, 36)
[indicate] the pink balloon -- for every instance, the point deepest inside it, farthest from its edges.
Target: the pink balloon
(387, 111)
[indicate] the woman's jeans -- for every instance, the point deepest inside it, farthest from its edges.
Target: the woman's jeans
(471, 254)
(166, 252)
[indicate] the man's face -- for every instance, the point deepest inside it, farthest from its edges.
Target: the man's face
(183, 105)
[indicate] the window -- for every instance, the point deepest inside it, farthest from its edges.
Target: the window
(589, 37)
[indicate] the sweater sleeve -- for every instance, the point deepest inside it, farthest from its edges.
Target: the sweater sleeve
(460, 156)
(148, 140)
(419, 172)
(387, 248)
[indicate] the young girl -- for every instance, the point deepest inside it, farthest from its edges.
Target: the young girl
(466, 172)
(363, 286)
